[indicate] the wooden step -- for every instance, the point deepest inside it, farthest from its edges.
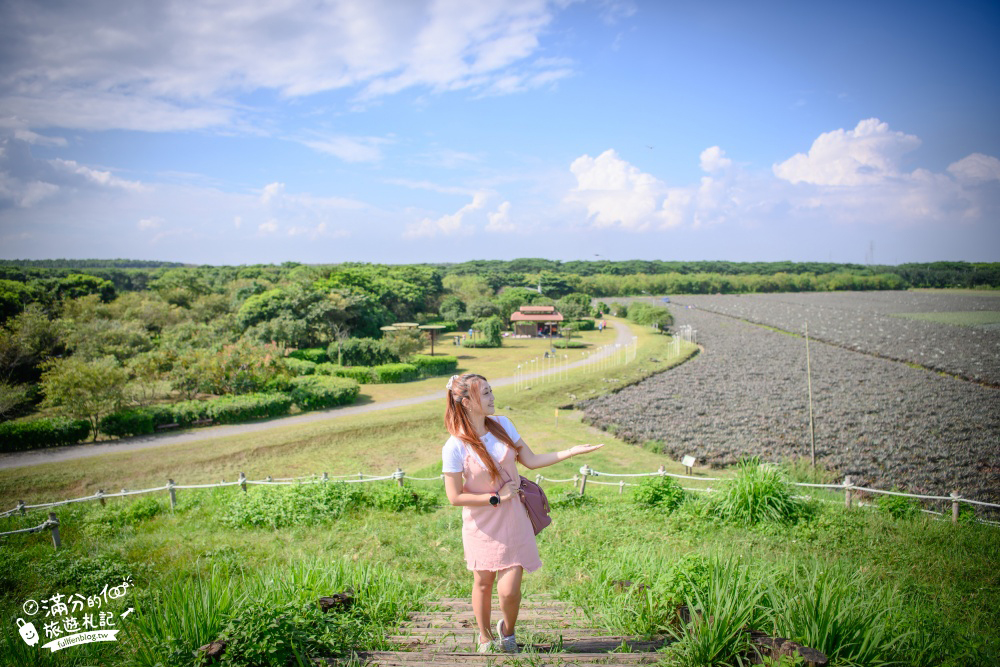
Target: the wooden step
(446, 659)
(581, 640)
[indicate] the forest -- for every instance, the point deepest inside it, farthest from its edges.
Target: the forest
(119, 347)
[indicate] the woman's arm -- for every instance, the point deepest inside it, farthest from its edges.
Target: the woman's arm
(453, 487)
(531, 460)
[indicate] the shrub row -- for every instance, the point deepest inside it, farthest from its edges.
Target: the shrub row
(315, 392)
(222, 410)
(571, 344)
(316, 355)
(45, 432)
(436, 365)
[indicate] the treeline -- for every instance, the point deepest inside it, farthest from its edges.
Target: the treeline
(88, 263)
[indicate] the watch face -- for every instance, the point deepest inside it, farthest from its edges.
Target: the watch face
(494, 500)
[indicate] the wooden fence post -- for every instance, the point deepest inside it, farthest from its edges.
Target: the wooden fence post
(268, 479)
(538, 479)
(847, 492)
(20, 506)
(122, 496)
(243, 482)
(621, 486)
(173, 497)
(326, 477)
(662, 470)
(954, 506)
(100, 496)
(54, 526)
(399, 476)
(584, 473)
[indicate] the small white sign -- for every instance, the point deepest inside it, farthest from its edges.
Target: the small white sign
(688, 461)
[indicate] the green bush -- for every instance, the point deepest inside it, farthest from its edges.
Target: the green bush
(315, 392)
(268, 632)
(660, 492)
(45, 432)
(362, 352)
(391, 373)
(187, 412)
(492, 328)
(758, 493)
(469, 342)
(436, 365)
(568, 344)
(136, 421)
(898, 507)
(584, 325)
(648, 314)
(360, 374)
(300, 366)
(235, 409)
(317, 355)
(395, 498)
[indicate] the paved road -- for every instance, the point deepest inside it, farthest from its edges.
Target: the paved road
(69, 453)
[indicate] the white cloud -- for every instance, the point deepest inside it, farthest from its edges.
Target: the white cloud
(976, 168)
(868, 154)
(349, 149)
(446, 225)
(714, 159)
(268, 227)
(847, 177)
(499, 220)
(616, 193)
(238, 221)
(96, 176)
(176, 64)
(150, 223)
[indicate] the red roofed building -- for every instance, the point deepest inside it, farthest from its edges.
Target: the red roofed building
(535, 320)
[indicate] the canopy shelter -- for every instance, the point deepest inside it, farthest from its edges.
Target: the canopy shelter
(536, 320)
(433, 330)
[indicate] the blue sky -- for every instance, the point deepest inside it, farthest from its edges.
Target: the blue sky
(413, 131)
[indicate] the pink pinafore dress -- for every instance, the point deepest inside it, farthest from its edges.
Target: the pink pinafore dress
(496, 538)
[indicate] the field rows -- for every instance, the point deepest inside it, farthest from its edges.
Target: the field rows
(884, 423)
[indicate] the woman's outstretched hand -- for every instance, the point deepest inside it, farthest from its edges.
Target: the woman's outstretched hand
(583, 449)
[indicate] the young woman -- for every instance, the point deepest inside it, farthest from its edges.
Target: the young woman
(480, 474)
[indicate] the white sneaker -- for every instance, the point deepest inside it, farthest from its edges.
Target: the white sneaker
(488, 647)
(507, 644)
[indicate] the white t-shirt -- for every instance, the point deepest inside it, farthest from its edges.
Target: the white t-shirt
(454, 451)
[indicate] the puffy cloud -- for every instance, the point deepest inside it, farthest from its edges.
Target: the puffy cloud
(446, 225)
(868, 154)
(615, 192)
(714, 159)
(499, 220)
(268, 227)
(150, 223)
(976, 168)
(847, 177)
(177, 64)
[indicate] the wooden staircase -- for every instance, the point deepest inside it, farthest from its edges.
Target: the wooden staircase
(550, 632)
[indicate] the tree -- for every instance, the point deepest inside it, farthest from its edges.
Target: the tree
(483, 308)
(84, 389)
(574, 306)
(451, 307)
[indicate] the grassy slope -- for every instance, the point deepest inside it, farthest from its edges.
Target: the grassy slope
(949, 575)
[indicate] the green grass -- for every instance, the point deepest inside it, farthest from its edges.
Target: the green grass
(198, 577)
(977, 318)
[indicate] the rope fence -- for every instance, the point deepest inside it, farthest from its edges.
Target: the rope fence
(580, 480)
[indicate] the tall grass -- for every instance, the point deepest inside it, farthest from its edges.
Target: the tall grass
(758, 493)
(840, 611)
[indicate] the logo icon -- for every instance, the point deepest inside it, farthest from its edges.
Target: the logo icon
(28, 632)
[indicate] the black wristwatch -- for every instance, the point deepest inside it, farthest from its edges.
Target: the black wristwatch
(495, 499)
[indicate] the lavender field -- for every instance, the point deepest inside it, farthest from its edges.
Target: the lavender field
(886, 423)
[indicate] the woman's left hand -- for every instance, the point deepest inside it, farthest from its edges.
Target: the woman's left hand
(583, 449)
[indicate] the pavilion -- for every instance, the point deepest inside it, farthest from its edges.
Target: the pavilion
(531, 320)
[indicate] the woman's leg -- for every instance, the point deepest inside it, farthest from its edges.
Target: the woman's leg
(482, 601)
(509, 590)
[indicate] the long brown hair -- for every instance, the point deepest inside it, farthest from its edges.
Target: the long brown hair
(458, 423)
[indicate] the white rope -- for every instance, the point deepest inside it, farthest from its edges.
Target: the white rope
(61, 502)
(204, 486)
(976, 502)
(819, 486)
(654, 474)
(897, 493)
(40, 527)
(426, 479)
(557, 481)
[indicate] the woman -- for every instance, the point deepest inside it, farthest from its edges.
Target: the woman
(480, 474)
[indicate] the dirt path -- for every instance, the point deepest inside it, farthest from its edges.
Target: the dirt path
(69, 453)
